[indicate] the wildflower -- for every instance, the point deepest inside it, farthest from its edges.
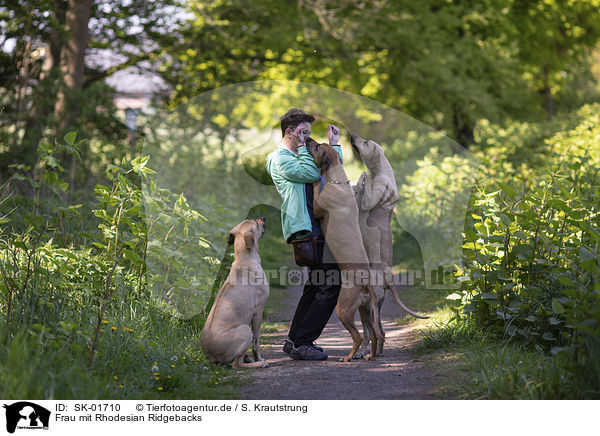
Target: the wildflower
(113, 328)
(155, 368)
(169, 377)
(172, 366)
(157, 373)
(130, 330)
(116, 378)
(160, 388)
(156, 378)
(104, 322)
(121, 386)
(101, 330)
(174, 358)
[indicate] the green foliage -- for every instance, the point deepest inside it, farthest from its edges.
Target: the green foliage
(61, 304)
(36, 70)
(450, 64)
(433, 198)
(551, 37)
(530, 270)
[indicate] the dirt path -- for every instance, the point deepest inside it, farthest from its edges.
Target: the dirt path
(396, 376)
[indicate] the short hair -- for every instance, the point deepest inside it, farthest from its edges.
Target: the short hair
(293, 118)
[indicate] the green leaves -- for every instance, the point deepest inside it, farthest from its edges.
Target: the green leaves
(70, 138)
(532, 260)
(557, 306)
(589, 261)
(510, 192)
(139, 165)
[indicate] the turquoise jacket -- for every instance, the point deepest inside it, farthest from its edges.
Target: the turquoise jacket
(290, 172)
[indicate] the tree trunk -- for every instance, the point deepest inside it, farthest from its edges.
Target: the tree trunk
(72, 62)
(72, 59)
(44, 98)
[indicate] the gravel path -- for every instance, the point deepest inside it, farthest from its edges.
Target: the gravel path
(396, 376)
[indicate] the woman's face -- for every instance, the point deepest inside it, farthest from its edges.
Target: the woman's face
(301, 133)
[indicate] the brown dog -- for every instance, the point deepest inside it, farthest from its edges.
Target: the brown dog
(335, 203)
(227, 335)
(377, 195)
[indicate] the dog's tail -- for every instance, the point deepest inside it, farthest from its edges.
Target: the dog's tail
(375, 311)
(394, 290)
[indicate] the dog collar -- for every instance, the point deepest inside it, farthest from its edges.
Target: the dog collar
(347, 182)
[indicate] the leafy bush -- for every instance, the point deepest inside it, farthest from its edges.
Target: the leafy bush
(81, 314)
(530, 270)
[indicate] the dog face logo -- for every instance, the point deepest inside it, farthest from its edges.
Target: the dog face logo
(26, 415)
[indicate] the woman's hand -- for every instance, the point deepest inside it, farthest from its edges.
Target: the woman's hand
(333, 133)
(302, 134)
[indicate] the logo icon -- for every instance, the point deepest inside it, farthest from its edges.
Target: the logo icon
(26, 415)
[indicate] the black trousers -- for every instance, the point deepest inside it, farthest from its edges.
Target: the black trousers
(318, 300)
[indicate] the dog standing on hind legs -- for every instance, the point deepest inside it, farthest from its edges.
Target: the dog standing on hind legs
(335, 203)
(227, 333)
(377, 195)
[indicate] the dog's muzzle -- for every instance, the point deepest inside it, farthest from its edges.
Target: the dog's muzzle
(262, 220)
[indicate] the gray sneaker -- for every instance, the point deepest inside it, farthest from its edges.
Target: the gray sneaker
(288, 345)
(307, 352)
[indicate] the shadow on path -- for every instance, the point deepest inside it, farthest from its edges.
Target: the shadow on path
(395, 376)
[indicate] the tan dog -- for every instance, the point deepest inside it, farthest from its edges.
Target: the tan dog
(377, 195)
(335, 203)
(239, 304)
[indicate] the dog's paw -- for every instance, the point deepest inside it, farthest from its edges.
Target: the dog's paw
(264, 363)
(359, 355)
(360, 185)
(247, 359)
(369, 357)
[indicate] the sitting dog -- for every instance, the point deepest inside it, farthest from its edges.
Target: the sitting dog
(335, 203)
(376, 197)
(239, 304)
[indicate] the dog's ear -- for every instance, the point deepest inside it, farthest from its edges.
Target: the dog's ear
(231, 238)
(249, 239)
(325, 161)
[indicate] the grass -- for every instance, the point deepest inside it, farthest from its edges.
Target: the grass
(471, 363)
(145, 352)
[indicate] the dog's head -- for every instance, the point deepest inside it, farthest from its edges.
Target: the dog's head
(250, 231)
(367, 151)
(323, 154)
